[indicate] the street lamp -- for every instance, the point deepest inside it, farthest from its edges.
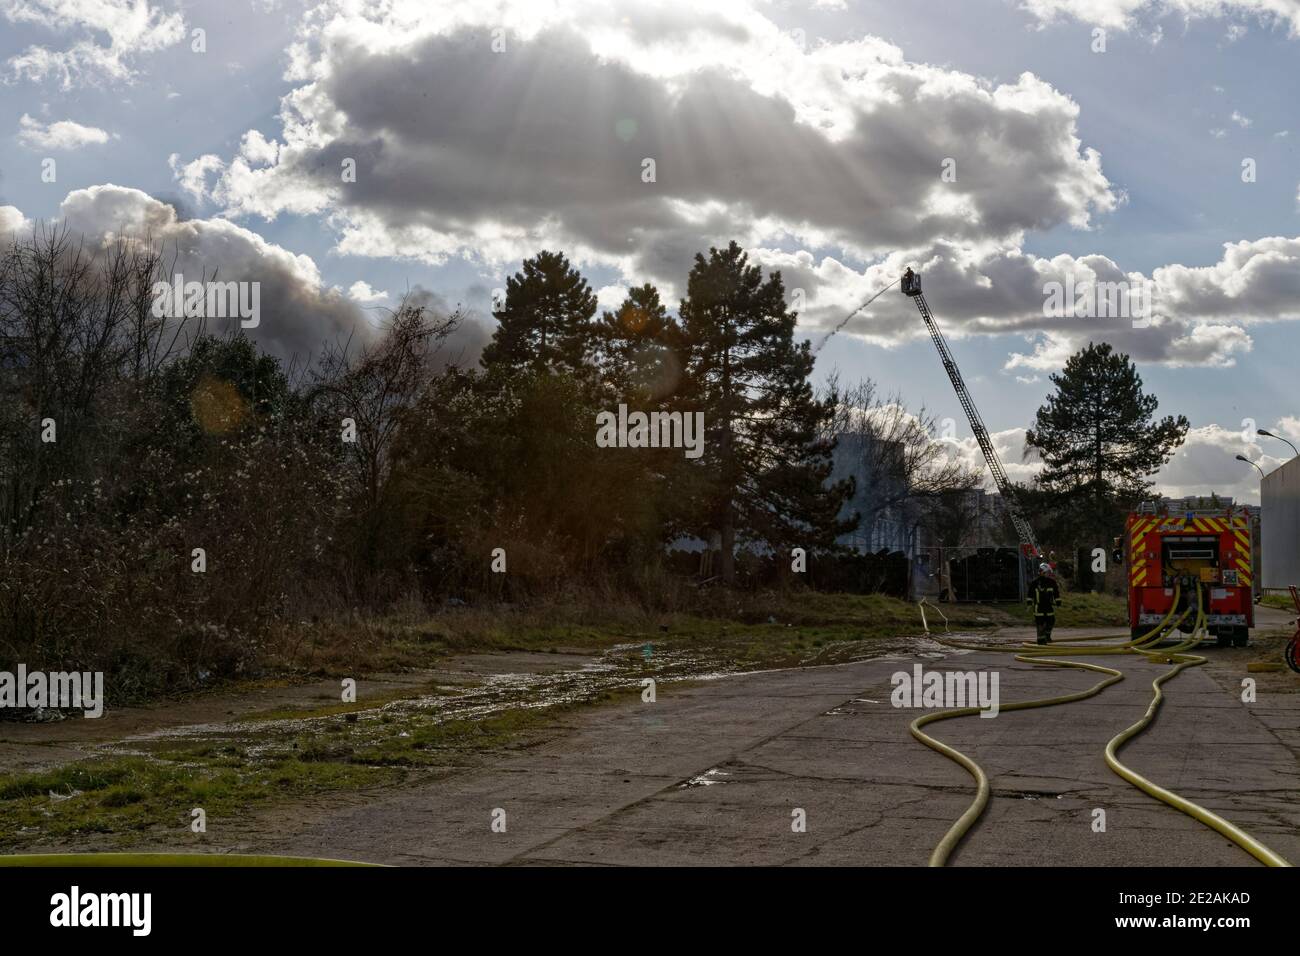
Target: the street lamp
(1262, 431)
(1252, 464)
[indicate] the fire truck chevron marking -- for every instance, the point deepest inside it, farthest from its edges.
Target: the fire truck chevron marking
(1200, 556)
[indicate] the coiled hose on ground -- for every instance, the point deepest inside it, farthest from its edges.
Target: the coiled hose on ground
(1036, 654)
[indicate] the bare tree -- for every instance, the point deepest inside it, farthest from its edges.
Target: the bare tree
(376, 386)
(75, 321)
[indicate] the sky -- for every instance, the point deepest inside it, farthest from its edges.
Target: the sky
(998, 146)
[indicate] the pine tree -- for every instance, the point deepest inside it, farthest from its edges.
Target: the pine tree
(640, 347)
(1099, 441)
(545, 321)
(766, 463)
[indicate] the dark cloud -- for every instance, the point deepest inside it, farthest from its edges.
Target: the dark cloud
(460, 150)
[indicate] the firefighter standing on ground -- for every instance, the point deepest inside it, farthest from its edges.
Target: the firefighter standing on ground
(1045, 596)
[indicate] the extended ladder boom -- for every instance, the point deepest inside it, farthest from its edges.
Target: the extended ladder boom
(912, 287)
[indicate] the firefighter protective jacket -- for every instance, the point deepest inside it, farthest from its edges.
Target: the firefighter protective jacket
(1044, 595)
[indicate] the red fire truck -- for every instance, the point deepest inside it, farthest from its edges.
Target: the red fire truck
(1205, 552)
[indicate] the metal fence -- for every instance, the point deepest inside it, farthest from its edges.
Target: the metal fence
(994, 573)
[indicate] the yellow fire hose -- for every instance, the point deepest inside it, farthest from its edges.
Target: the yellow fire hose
(1034, 654)
(967, 820)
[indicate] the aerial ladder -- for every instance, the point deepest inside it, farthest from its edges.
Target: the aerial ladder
(911, 286)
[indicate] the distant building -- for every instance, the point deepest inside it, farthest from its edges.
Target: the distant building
(1280, 527)
(890, 520)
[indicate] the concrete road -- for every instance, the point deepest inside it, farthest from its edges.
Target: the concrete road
(712, 773)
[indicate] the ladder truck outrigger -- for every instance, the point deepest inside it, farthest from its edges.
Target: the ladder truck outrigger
(911, 286)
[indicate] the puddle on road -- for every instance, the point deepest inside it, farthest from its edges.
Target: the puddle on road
(847, 709)
(621, 667)
(706, 779)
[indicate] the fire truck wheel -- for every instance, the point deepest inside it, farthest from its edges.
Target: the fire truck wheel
(1240, 636)
(1223, 637)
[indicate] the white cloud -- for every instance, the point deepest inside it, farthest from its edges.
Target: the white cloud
(64, 134)
(1199, 316)
(1289, 427)
(1242, 121)
(1254, 280)
(610, 297)
(12, 221)
(257, 149)
(1127, 14)
(132, 28)
(360, 291)
(1206, 462)
(193, 176)
(1010, 446)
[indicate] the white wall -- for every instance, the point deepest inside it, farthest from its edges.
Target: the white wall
(1280, 526)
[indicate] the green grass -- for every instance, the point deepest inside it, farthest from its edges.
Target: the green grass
(758, 631)
(1081, 609)
(416, 639)
(1281, 601)
(132, 796)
